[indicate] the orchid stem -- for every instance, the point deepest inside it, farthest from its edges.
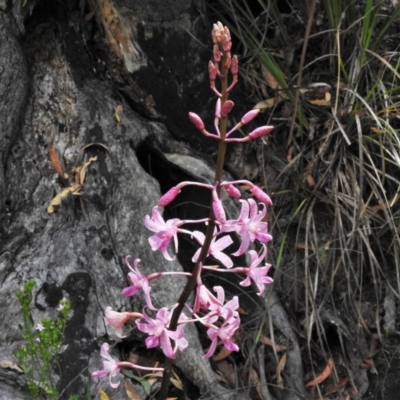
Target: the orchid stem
(191, 283)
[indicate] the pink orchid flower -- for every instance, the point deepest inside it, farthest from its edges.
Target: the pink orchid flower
(118, 319)
(249, 225)
(160, 335)
(139, 281)
(165, 231)
(215, 249)
(110, 366)
(253, 272)
(256, 273)
(222, 309)
(204, 299)
(224, 333)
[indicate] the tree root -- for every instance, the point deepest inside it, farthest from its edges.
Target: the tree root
(295, 389)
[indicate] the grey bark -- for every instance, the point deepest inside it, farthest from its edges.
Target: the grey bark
(66, 98)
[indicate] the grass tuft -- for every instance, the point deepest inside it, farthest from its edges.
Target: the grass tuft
(337, 212)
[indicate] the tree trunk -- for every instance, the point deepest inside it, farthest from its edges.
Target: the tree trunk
(65, 67)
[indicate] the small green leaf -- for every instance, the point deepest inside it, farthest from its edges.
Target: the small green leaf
(146, 385)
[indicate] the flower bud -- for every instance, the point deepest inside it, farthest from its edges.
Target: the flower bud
(218, 109)
(212, 71)
(216, 32)
(226, 42)
(226, 45)
(197, 121)
(232, 191)
(218, 208)
(227, 107)
(261, 195)
(234, 65)
(216, 54)
(221, 36)
(249, 116)
(169, 196)
(260, 131)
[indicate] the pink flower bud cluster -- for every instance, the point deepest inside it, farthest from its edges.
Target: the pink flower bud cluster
(219, 317)
(222, 47)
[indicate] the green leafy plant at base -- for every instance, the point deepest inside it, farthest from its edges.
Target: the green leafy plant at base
(44, 341)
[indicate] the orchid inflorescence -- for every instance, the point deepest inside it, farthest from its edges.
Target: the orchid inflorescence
(165, 327)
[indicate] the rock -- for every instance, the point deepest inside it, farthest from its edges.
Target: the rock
(84, 62)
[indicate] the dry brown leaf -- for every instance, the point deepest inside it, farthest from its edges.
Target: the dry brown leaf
(80, 171)
(91, 145)
(103, 395)
(310, 180)
(289, 156)
(131, 392)
(89, 16)
(279, 370)
(220, 378)
(227, 372)
(55, 203)
(56, 161)
(241, 311)
(255, 382)
(117, 111)
(96, 144)
(133, 358)
(321, 102)
(278, 347)
(268, 103)
(304, 246)
(369, 364)
(10, 365)
(373, 349)
(271, 81)
(222, 354)
(334, 387)
(176, 381)
(157, 374)
(323, 375)
(387, 204)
